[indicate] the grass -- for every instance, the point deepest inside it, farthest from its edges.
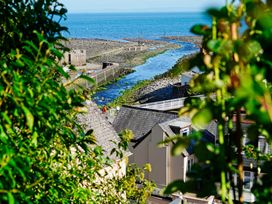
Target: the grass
(128, 96)
(183, 65)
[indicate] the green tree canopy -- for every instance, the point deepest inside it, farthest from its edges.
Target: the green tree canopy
(236, 80)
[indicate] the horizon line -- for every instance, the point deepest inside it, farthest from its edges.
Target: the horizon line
(131, 12)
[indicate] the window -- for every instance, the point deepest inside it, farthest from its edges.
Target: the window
(244, 140)
(263, 146)
(248, 179)
(190, 164)
(185, 132)
(69, 59)
(267, 148)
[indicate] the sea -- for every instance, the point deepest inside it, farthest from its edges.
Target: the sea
(118, 26)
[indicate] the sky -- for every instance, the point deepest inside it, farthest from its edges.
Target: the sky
(105, 6)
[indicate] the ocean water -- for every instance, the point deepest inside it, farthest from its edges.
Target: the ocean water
(118, 26)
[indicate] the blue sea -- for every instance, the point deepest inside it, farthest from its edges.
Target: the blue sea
(117, 26)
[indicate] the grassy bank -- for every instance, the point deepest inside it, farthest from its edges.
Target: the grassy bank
(142, 57)
(184, 64)
(128, 97)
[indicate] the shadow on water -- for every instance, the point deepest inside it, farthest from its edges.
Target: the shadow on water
(153, 66)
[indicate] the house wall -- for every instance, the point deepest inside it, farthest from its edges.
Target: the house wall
(140, 154)
(158, 158)
(178, 167)
(149, 152)
(165, 167)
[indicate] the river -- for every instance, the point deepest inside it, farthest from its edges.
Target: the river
(152, 67)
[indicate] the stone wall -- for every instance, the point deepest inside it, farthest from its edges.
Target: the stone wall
(75, 57)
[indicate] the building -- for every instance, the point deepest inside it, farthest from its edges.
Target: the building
(151, 127)
(186, 77)
(94, 120)
(155, 122)
(75, 57)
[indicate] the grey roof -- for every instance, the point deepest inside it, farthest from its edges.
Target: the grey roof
(140, 120)
(182, 121)
(103, 131)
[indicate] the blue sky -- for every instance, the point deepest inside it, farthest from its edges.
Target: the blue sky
(94, 6)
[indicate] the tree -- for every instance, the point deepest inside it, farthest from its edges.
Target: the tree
(37, 130)
(45, 156)
(236, 80)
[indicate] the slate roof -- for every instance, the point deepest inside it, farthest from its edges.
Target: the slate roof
(103, 131)
(140, 120)
(184, 122)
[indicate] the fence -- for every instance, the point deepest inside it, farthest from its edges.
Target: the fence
(104, 75)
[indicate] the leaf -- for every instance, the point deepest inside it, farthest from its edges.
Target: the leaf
(89, 79)
(202, 118)
(147, 167)
(6, 118)
(98, 150)
(29, 118)
(200, 29)
(220, 46)
(174, 187)
(179, 146)
(11, 198)
(34, 139)
(222, 13)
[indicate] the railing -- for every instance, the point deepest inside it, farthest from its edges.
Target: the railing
(166, 105)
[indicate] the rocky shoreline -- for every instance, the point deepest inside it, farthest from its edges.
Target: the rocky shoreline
(123, 52)
(192, 39)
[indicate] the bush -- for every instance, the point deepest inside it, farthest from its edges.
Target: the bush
(236, 79)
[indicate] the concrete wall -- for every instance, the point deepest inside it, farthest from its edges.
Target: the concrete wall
(75, 57)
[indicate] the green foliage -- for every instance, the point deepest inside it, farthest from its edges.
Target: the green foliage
(236, 82)
(137, 187)
(128, 95)
(45, 156)
(181, 66)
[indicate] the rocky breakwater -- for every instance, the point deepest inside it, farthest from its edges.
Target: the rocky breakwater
(126, 54)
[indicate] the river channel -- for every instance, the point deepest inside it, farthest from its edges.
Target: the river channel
(153, 66)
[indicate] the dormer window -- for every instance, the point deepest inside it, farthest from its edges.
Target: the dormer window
(263, 146)
(185, 132)
(248, 180)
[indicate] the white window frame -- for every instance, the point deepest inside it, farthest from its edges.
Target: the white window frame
(190, 163)
(185, 130)
(248, 178)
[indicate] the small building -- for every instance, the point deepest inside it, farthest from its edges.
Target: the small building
(186, 77)
(75, 57)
